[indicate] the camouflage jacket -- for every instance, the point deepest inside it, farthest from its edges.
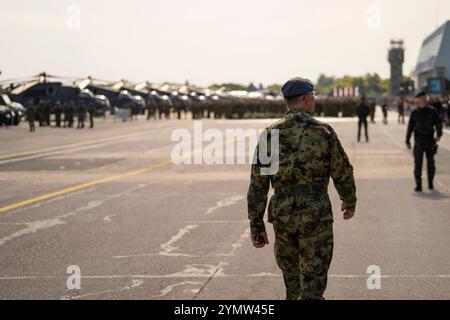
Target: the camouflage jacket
(309, 154)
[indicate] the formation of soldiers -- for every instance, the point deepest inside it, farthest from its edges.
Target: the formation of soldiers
(75, 114)
(65, 114)
(241, 108)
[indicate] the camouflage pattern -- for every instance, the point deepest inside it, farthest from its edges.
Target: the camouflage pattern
(303, 252)
(300, 210)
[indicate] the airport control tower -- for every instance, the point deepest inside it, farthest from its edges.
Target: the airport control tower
(396, 58)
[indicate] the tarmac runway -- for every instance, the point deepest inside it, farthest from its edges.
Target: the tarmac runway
(110, 203)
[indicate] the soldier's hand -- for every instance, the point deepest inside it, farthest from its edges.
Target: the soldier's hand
(348, 213)
(265, 240)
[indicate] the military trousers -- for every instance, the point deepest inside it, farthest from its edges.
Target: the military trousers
(31, 125)
(363, 122)
(304, 253)
(419, 150)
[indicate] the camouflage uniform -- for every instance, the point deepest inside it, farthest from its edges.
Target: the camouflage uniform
(300, 210)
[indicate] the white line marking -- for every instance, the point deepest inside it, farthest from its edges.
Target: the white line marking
(168, 248)
(182, 232)
(134, 284)
(31, 227)
(225, 203)
(169, 289)
(238, 244)
(217, 221)
(203, 275)
(108, 218)
(38, 225)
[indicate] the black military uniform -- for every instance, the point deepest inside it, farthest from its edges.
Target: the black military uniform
(362, 111)
(91, 111)
(384, 108)
(423, 122)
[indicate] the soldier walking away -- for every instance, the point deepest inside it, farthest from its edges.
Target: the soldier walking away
(423, 122)
(300, 210)
(362, 111)
(401, 110)
(384, 109)
(91, 111)
(31, 116)
(58, 112)
(81, 113)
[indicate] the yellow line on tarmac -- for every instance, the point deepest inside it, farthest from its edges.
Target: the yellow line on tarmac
(83, 186)
(100, 181)
(73, 145)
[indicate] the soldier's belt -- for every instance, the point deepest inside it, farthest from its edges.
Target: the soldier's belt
(302, 189)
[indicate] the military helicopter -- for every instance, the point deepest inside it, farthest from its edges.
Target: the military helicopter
(119, 96)
(11, 112)
(45, 87)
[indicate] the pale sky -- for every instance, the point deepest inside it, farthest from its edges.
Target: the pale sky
(211, 41)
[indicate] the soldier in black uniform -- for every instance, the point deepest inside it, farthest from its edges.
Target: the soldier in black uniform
(385, 109)
(423, 122)
(91, 111)
(362, 111)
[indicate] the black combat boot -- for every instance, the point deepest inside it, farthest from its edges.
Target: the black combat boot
(418, 185)
(430, 183)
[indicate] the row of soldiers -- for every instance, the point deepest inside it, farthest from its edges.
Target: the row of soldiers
(65, 114)
(162, 107)
(202, 107)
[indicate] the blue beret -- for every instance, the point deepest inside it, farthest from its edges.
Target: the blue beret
(296, 87)
(421, 94)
